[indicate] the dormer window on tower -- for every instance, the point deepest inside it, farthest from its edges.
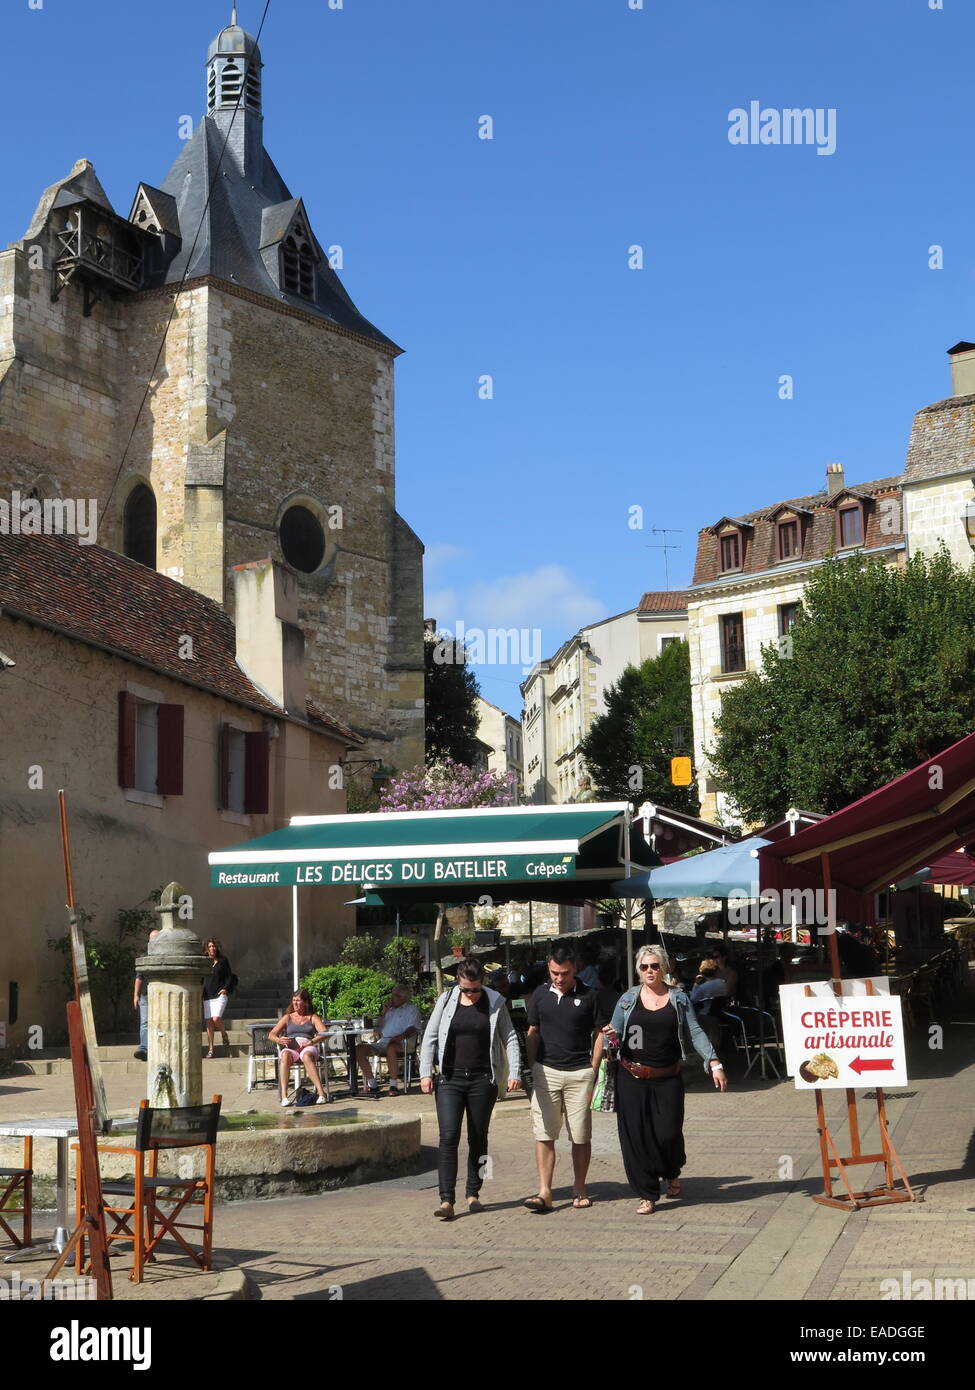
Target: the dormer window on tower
(298, 262)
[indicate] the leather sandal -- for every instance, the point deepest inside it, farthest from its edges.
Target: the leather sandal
(646, 1207)
(537, 1206)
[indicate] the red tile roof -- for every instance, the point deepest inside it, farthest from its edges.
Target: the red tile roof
(664, 601)
(882, 528)
(96, 596)
(318, 715)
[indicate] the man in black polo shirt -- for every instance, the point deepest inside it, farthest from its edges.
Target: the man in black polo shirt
(563, 1054)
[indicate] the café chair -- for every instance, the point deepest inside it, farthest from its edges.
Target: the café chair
(12, 1181)
(263, 1057)
(151, 1207)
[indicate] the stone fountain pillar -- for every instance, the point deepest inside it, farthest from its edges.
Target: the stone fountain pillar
(174, 968)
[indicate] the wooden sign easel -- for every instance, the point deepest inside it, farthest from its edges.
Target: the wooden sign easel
(875, 1196)
(91, 1106)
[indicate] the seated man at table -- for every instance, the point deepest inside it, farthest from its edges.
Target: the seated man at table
(398, 1019)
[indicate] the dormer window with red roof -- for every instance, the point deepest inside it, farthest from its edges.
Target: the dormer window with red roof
(788, 540)
(849, 525)
(730, 551)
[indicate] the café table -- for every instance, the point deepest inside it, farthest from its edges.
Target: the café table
(352, 1034)
(62, 1130)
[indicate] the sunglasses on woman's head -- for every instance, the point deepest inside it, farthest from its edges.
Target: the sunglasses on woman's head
(650, 965)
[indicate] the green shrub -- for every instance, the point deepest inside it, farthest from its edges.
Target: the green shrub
(401, 959)
(426, 995)
(364, 951)
(347, 991)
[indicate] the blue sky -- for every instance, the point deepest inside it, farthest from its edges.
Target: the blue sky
(613, 387)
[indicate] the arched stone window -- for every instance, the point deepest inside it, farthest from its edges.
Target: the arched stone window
(139, 526)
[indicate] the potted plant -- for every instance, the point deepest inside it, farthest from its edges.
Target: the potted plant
(460, 942)
(487, 932)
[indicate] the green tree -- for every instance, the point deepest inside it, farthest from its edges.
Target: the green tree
(450, 692)
(646, 723)
(879, 676)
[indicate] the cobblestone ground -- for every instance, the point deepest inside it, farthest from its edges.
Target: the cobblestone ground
(745, 1227)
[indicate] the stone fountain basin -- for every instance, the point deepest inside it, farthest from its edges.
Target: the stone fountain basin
(277, 1156)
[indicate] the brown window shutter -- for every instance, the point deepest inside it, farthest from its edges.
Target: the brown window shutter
(224, 746)
(169, 778)
(257, 780)
(126, 739)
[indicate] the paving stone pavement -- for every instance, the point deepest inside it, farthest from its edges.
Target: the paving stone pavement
(745, 1227)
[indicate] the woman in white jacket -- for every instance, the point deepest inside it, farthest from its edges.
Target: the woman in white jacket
(472, 1032)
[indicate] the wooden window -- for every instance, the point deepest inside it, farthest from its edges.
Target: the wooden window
(245, 762)
(850, 526)
(150, 746)
(787, 617)
(788, 540)
(731, 552)
(732, 642)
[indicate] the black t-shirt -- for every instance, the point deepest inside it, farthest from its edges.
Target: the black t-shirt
(566, 1023)
(469, 1038)
(652, 1039)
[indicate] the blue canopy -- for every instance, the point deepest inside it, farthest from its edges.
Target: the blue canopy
(718, 873)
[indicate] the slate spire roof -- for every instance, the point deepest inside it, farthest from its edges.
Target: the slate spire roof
(229, 237)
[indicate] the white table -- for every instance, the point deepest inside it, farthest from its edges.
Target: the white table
(62, 1130)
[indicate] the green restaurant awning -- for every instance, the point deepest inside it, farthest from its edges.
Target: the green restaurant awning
(439, 855)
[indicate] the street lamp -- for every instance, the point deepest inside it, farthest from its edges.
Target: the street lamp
(969, 519)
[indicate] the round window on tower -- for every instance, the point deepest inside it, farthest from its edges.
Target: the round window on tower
(302, 539)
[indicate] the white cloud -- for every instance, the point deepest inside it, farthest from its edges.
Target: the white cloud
(548, 596)
(547, 602)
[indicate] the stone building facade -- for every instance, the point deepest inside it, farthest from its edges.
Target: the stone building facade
(197, 370)
(165, 749)
(500, 735)
(564, 694)
(751, 570)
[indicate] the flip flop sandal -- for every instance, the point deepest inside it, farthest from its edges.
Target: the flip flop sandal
(582, 1203)
(646, 1207)
(536, 1205)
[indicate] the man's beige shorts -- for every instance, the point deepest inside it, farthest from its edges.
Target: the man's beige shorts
(562, 1095)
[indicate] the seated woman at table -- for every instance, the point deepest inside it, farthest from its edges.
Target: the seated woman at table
(298, 1033)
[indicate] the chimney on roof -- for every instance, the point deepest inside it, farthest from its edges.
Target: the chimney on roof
(834, 479)
(962, 358)
(270, 644)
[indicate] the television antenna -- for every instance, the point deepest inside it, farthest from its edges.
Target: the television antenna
(665, 546)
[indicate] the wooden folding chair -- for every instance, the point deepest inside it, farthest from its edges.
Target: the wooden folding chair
(12, 1181)
(148, 1209)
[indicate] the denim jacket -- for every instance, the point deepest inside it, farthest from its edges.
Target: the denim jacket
(505, 1051)
(686, 1021)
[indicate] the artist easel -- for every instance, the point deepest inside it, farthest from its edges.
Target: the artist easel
(875, 1196)
(91, 1104)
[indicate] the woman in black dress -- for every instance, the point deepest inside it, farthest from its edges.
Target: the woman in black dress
(651, 1024)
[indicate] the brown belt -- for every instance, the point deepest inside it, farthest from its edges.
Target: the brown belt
(649, 1073)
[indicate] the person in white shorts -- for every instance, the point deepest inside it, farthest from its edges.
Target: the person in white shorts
(563, 1053)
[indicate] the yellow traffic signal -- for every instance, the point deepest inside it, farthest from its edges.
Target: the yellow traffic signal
(680, 772)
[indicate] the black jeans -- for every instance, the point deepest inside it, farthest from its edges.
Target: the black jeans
(460, 1093)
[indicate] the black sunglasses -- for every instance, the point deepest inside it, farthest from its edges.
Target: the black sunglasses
(650, 965)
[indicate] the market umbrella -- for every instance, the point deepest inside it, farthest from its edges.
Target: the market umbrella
(730, 870)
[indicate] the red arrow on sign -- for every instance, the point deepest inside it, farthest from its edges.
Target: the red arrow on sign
(879, 1064)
